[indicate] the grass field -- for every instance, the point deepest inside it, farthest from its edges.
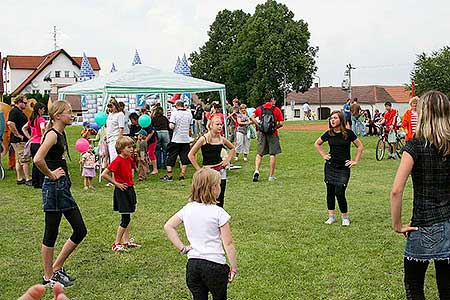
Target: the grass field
(284, 249)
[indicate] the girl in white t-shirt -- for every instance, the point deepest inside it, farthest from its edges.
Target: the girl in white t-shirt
(115, 125)
(207, 229)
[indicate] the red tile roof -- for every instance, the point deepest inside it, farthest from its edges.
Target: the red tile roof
(45, 61)
(366, 94)
(92, 60)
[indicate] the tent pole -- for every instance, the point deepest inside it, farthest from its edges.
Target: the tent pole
(222, 94)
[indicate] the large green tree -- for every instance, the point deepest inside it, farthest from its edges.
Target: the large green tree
(432, 72)
(266, 52)
(209, 63)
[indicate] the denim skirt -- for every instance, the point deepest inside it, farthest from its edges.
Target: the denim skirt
(56, 195)
(429, 243)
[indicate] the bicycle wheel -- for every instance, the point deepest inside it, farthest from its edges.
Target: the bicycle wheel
(381, 145)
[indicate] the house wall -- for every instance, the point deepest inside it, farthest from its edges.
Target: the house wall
(16, 77)
(290, 113)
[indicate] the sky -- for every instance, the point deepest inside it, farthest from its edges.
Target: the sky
(381, 39)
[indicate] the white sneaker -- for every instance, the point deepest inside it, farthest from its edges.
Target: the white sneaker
(245, 159)
(272, 178)
(345, 222)
(330, 220)
(236, 158)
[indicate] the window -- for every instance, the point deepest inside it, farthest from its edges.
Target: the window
(66, 74)
(35, 91)
(296, 113)
(57, 74)
(47, 92)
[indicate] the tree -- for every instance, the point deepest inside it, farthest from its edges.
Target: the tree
(209, 63)
(266, 52)
(432, 72)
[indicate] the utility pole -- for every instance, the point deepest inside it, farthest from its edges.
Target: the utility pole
(348, 73)
(54, 38)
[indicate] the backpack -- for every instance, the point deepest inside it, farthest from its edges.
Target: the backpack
(267, 123)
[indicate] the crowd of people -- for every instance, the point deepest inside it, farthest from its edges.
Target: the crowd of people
(425, 158)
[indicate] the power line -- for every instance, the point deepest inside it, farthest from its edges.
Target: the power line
(385, 66)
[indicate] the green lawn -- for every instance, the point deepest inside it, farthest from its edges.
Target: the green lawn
(284, 249)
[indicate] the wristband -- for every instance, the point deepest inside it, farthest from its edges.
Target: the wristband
(184, 250)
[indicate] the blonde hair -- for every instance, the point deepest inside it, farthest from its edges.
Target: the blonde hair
(57, 108)
(413, 99)
(211, 121)
(19, 98)
(203, 183)
(433, 122)
(243, 107)
(123, 142)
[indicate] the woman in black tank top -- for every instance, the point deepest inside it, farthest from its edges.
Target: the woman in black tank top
(211, 146)
(57, 198)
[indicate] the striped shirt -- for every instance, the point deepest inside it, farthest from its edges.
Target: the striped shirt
(413, 120)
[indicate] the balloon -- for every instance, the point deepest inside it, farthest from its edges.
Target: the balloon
(96, 150)
(144, 121)
(250, 110)
(82, 145)
(100, 118)
(94, 126)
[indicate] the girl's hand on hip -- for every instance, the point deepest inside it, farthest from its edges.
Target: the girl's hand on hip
(350, 163)
(326, 157)
(121, 186)
(404, 229)
(58, 173)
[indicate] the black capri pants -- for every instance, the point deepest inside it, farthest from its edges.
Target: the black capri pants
(52, 221)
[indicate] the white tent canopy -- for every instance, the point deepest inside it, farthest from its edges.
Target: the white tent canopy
(141, 79)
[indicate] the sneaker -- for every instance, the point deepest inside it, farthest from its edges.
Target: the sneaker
(117, 247)
(19, 182)
(28, 183)
(236, 158)
(131, 244)
(181, 178)
(85, 188)
(255, 176)
(67, 275)
(330, 220)
(48, 283)
(272, 178)
(109, 184)
(245, 159)
(345, 222)
(60, 277)
(166, 178)
(92, 188)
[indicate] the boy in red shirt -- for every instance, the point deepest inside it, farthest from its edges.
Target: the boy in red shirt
(124, 194)
(390, 123)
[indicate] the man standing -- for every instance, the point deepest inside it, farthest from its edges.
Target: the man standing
(232, 119)
(16, 120)
(347, 113)
(357, 124)
(270, 119)
(180, 121)
(306, 111)
(390, 123)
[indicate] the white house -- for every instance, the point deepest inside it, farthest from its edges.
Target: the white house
(42, 74)
(328, 99)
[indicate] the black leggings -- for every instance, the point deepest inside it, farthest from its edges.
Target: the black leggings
(338, 192)
(126, 219)
(221, 198)
(52, 221)
(415, 277)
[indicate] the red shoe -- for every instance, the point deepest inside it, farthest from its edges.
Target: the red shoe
(131, 244)
(117, 247)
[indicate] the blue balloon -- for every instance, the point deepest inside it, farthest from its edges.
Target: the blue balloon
(100, 118)
(144, 121)
(94, 126)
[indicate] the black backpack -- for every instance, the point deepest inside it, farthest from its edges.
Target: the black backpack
(267, 123)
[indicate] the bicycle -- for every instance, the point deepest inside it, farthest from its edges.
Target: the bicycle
(383, 140)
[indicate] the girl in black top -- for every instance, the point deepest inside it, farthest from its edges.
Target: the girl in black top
(338, 163)
(57, 198)
(211, 145)
(427, 158)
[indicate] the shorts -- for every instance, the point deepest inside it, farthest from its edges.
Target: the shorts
(124, 201)
(178, 149)
(392, 136)
(18, 148)
(56, 195)
(429, 243)
(268, 144)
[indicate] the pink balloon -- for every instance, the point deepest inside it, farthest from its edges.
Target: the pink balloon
(82, 145)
